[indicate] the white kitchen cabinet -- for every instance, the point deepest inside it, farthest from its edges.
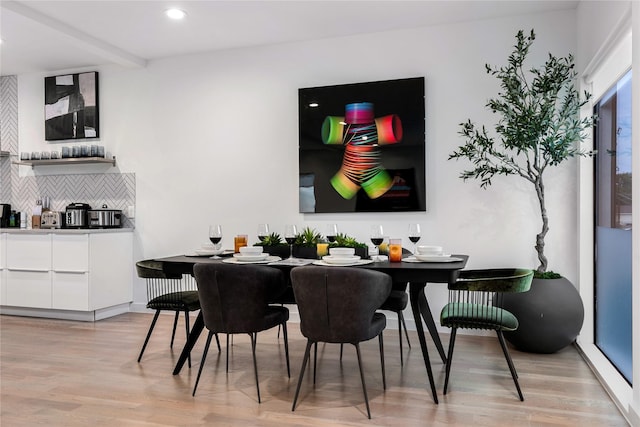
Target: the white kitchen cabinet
(76, 274)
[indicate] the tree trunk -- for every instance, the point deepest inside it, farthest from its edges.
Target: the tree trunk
(545, 226)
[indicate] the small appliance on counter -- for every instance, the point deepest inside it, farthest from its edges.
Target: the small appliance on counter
(52, 219)
(5, 215)
(77, 215)
(105, 218)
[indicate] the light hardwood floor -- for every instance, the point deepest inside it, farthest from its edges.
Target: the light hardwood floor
(65, 373)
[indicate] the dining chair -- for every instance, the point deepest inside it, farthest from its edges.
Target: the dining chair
(475, 302)
(234, 299)
(167, 292)
(338, 305)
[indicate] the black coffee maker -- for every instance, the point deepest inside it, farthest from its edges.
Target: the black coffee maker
(5, 213)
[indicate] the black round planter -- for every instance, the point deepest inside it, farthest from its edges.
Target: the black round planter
(550, 315)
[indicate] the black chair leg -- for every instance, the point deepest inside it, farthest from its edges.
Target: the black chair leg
(204, 357)
(254, 339)
(341, 347)
(146, 340)
(186, 324)
(175, 324)
(364, 386)
(404, 325)
(315, 362)
(305, 359)
(400, 338)
(452, 342)
(228, 353)
(384, 376)
(512, 368)
(286, 347)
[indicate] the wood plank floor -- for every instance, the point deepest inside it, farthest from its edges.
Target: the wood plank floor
(65, 373)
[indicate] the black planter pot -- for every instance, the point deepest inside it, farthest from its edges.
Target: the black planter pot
(279, 250)
(550, 316)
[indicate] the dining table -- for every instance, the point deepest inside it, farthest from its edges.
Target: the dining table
(417, 274)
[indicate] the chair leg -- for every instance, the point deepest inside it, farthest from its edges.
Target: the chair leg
(315, 362)
(302, 369)
(175, 324)
(254, 339)
(452, 342)
(512, 368)
(400, 338)
(186, 324)
(218, 343)
(146, 340)
(364, 386)
(406, 331)
(228, 353)
(384, 377)
(341, 347)
(204, 357)
(286, 347)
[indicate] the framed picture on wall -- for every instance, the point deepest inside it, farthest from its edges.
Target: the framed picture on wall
(71, 106)
(362, 147)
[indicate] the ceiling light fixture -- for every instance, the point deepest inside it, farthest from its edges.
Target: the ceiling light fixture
(175, 13)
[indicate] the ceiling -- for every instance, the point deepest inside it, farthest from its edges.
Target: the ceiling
(48, 36)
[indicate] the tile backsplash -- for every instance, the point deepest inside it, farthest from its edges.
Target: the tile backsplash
(115, 190)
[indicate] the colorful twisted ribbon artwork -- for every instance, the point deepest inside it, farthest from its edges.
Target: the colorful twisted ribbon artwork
(362, 135)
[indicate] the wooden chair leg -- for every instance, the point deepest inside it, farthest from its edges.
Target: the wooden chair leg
(512, 368)
(302, 369)
(204, 357)
(452, 341)
(364, 386)
(146, 340)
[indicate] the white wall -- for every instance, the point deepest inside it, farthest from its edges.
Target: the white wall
(213, 138)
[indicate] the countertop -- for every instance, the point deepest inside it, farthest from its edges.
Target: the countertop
(12, 230)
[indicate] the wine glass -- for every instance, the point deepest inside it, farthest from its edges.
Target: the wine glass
(215, 235)
(290, 233)
(263, 231)
(377, 236)
(332, 232)
(414, 235)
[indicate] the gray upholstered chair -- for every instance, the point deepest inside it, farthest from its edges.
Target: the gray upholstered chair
(475, 302)
(338, 305)
(234, 299)
(168, 292)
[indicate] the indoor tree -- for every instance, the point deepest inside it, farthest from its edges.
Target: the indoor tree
(539, 126)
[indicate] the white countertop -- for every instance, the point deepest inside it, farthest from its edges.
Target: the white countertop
(64, 230)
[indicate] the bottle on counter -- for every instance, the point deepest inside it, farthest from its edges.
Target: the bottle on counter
(37, 212)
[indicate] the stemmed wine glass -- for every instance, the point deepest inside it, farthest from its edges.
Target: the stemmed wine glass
(377, 236)
(290, 233)
(215, 235)
(332, 232)
(414, 235)
(263, 231)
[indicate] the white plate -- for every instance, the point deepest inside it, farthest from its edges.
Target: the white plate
(208, 252)
(268, 259)
(340, 259)
(425, 257)
(441, 258)
(352, 263)
(242, 257)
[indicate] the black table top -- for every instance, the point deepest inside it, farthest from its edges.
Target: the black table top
(438, 272)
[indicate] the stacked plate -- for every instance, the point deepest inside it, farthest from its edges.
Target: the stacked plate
(341, 256)
(208, 249)
(251, 257)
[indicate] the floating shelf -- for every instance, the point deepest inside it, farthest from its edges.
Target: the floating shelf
(67, 161)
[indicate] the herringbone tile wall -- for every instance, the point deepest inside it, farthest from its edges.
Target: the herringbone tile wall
(115, 190)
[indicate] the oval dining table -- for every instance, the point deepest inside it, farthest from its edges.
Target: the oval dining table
(417, 274)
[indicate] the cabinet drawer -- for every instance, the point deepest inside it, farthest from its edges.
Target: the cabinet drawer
(28, 289)
(70, 291)
(70, 252)
(29, 252)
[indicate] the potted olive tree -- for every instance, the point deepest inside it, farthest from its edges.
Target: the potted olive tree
(539, 126)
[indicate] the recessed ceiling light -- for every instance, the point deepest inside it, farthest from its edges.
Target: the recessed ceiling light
(175, 13)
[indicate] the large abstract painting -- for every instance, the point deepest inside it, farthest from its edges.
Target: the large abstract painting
(71, 106)
(362, 147)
